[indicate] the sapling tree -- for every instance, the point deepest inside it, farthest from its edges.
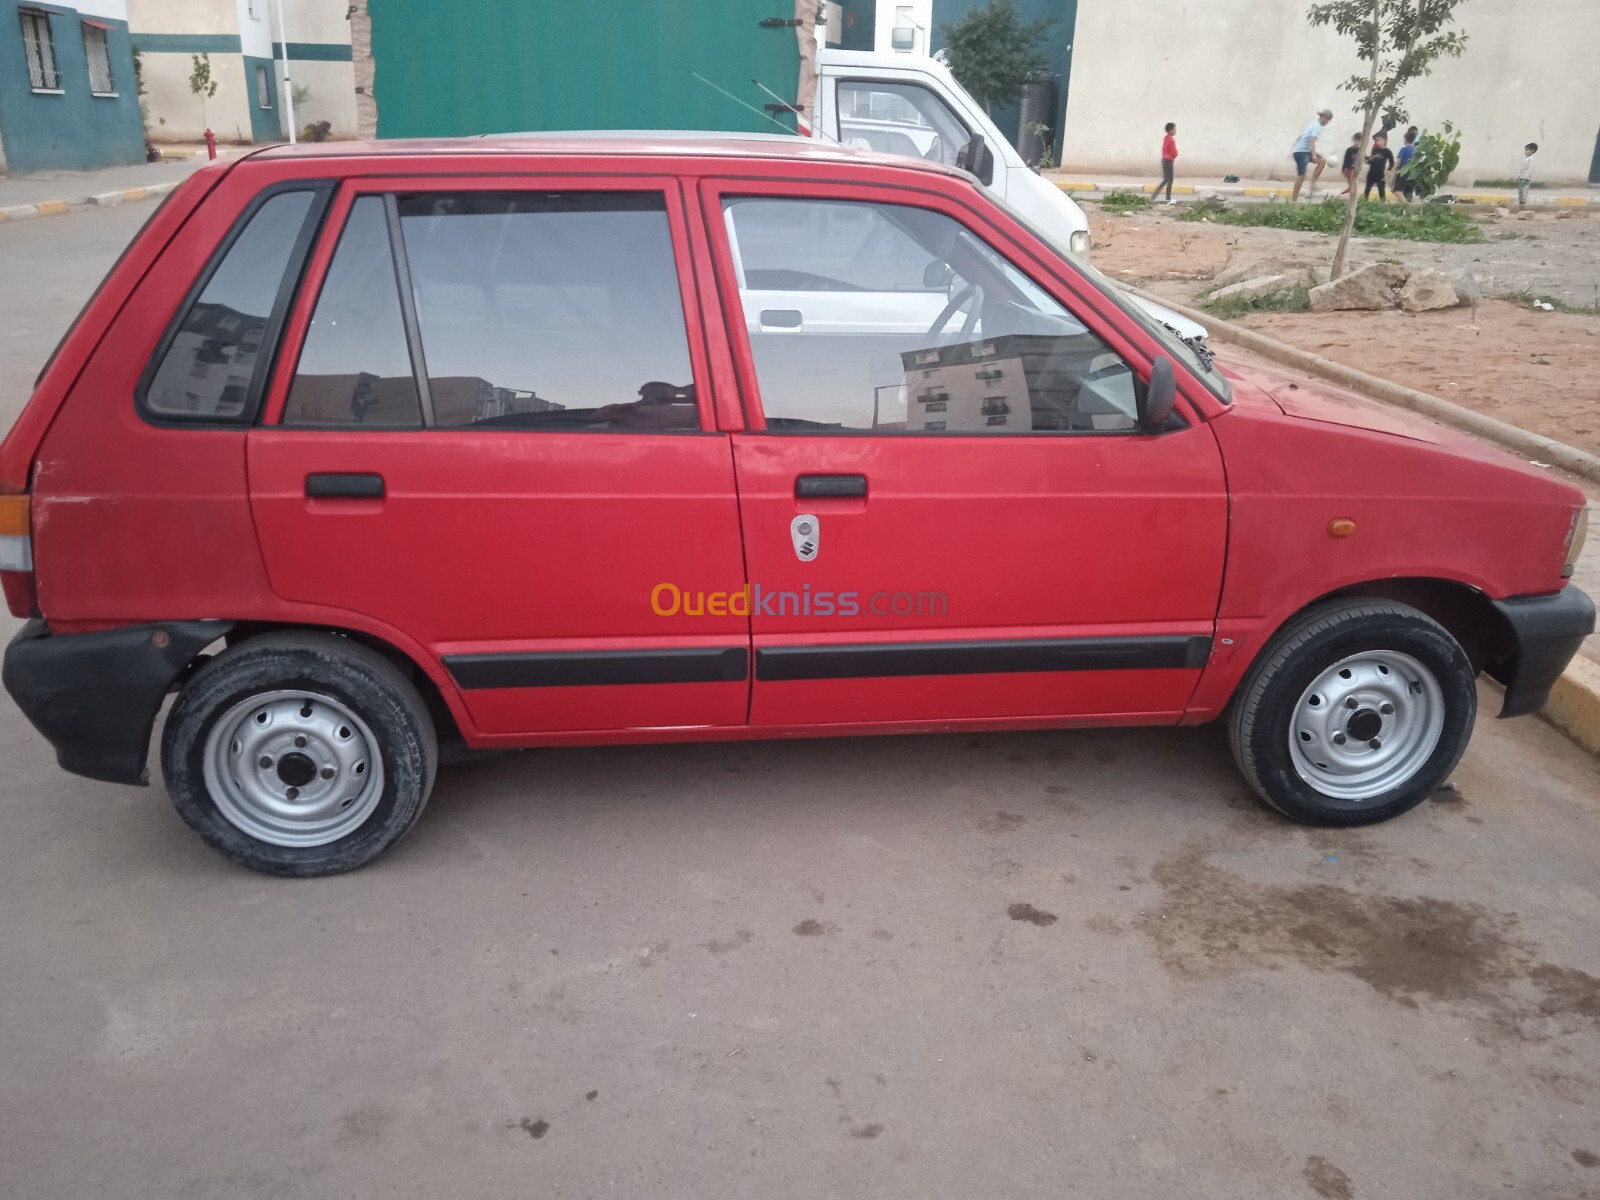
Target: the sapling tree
(201, 84)
(1399, 40)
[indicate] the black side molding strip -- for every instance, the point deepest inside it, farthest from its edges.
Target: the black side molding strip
(581, 668)
(1166, 651)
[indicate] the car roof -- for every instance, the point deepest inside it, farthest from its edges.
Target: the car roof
(661, 143)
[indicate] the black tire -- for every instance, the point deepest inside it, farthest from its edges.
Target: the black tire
(368, 684)
(1261, 719)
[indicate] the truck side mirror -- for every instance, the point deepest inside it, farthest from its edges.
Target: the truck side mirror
(1156, 399)
(977, 158)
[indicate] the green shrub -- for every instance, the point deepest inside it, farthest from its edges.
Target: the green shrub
(1409, 222)
(1123, 201)
(1295, 299)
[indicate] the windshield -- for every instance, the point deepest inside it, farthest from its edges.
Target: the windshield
(1191, 352)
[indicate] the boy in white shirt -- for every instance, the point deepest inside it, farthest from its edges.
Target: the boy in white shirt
(1525, 176)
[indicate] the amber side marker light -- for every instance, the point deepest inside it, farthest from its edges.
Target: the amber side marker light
(16, 556)
(1341, 527)
(1576, 536)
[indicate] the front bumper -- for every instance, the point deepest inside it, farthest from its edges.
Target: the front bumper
(1545, 632)
(94, 696)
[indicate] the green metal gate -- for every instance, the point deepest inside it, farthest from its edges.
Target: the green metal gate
(498, 66)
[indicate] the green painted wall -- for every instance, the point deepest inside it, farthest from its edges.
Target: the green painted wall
(72, 131)
(1056, 48)
(498, 66)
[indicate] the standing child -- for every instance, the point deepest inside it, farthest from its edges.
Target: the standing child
(1525, 176)
(1378, 164)
(1403, 187)
(1351, 152)
(1169, 158)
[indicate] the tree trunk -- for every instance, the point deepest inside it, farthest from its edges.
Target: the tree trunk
(1369, 116)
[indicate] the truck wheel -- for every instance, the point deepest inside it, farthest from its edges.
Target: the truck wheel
(299, 754)
(1356, 712)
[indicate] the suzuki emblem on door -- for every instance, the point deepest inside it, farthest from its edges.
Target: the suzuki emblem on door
(805, 532)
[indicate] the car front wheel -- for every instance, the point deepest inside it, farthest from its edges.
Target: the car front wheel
(299, 754)
(1356, 712)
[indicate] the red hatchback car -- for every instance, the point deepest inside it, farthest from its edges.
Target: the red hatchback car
(555, 441)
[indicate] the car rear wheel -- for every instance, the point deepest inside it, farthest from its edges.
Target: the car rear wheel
(299, 754)
(1355, 713)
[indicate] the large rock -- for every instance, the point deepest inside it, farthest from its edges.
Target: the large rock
(1244, 269)
(1371, 287)
(1250, 289)
(1318, 274)
(1428, 290)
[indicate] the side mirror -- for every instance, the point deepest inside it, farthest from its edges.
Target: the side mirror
(977, 158)
(936, 276)
(1156, 399)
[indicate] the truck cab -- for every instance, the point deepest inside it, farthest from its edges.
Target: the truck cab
(913, 106)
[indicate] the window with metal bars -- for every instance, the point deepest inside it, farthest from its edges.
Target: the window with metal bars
(263, 88)
(98, 53)
(40, 49)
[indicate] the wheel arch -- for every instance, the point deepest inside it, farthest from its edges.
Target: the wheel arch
(442, 708)
(1465, 611)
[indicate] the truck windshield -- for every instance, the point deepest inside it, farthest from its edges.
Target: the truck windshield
(1191, 352)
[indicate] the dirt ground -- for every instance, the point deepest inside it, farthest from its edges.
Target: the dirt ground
(1539, 370)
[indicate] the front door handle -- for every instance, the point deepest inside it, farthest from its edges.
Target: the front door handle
(331, 486)
(813, 486)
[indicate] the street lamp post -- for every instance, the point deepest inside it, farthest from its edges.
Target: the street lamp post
(288, 91)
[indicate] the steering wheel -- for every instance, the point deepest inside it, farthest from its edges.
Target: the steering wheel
(949, 310)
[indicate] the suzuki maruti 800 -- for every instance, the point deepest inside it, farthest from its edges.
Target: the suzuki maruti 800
(544, 441)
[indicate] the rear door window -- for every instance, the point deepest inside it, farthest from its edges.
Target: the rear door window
(355, 368)
(211, 365)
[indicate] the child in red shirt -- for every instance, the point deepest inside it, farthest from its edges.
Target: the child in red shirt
(1169, 155)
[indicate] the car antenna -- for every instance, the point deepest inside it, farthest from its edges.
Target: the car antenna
(768, 116)
(815, 128)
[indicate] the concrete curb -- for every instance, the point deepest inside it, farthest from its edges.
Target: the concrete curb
(1574, 704)
(1533, 445)
(55, 208)
(1273, 191)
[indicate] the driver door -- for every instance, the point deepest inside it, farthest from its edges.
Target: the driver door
(948, 509)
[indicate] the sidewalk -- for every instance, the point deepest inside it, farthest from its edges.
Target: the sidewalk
(1331, 184)
(50, 193)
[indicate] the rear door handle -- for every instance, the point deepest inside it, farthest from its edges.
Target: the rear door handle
(812, 486)
(345, 487)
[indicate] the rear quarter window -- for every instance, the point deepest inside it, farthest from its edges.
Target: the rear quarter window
(212, 361)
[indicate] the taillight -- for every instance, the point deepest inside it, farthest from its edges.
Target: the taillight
(16, 556)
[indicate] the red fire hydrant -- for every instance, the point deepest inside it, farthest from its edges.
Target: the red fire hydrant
(211, 144)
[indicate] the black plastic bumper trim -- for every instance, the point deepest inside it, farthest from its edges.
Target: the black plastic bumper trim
(586, 668)
(1546, 632)
(94, 696)
(875, 659)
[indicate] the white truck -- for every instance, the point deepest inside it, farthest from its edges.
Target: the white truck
(912, 105)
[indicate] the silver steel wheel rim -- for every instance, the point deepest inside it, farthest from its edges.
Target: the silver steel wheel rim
(1366, 725)
(293, 769)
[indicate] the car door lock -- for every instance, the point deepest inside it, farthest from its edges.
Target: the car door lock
(805, 531)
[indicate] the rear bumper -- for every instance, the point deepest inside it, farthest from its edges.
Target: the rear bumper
(1545, 632)
(94, 696)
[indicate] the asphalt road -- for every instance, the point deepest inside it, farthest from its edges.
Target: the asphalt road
(1078, 964)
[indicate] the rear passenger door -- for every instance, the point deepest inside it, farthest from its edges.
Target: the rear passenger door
(490, 432)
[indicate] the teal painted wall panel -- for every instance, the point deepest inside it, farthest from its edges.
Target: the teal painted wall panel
(186, 43)
(72, 131)
(264, 123)
(314, 51)
(1056, 48)
(497, 66)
